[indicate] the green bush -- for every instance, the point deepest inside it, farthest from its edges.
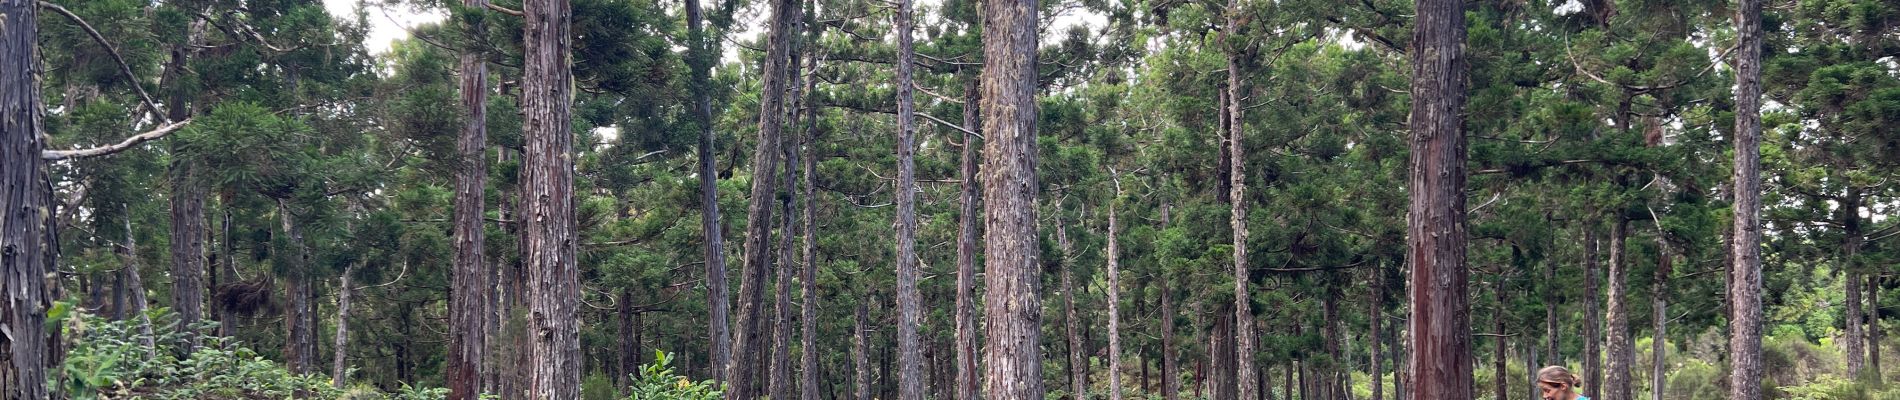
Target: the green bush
(658, 381)
(110, 359)
(597, 386)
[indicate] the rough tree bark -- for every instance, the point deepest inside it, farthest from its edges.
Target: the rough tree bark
(780, 384)
(300, 343)
(548, 201)
(1744, 286)
(700, 62)
(24, 206)
(469, 286)
(340, 343)
(187, 246)
(748, 342)
(187, 203)
(1012, 349)
(910, 370)
(1243, 306)
(1114, 296)
(1435, 224)
(1620, 346)
(967, 372)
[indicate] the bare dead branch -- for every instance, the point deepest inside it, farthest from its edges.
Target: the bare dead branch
(135, 140)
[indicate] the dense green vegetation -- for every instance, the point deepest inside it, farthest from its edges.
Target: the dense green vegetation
(292, 231)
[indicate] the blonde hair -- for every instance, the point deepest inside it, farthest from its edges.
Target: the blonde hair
(1559, 374)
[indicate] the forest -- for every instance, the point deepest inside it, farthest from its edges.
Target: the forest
(950, 199)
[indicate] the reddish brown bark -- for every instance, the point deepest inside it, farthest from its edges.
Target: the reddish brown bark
(1435, 224)
(548, 201)
(968, 380)
(469, 286)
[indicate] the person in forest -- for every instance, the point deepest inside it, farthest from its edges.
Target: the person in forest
(1557, 383)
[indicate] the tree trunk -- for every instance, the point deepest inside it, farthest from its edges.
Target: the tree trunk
(300, 343)
(1012, 349)
(626, 361)
(227, 320)
(1114, 297)
(340, 360)
(1243, 305)
(909, 302)
(749, 339)
(1078, 364)
(968, 380)
(1497, 327)
(859, 353)
(808, 349)
(135, 305)
(699, 60)
(1289, 381)
(1170, 388)
(1550, 313)
(1376, 300)
(187, 248)
(1592, 313)
(1222, 352)
(780, 383)
(1855, 344)
(548, 201)
(1435, 229)
(187, 204)
(1622, 352)
(1659, 290)
(1331, 378)
(1873, 327)
(1744, 286)
(468, 297)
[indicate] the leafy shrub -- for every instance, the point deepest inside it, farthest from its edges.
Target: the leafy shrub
(658, 381)
(110, 359)
(1837, 388)
(597, 386)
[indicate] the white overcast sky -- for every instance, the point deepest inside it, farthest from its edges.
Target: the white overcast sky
(387, 24)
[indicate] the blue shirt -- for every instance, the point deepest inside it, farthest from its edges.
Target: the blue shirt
(1582, 397)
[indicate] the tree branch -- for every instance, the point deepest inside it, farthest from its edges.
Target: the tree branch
(155, 134)
(1640, 88)
(504, 10)
(124, 68)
